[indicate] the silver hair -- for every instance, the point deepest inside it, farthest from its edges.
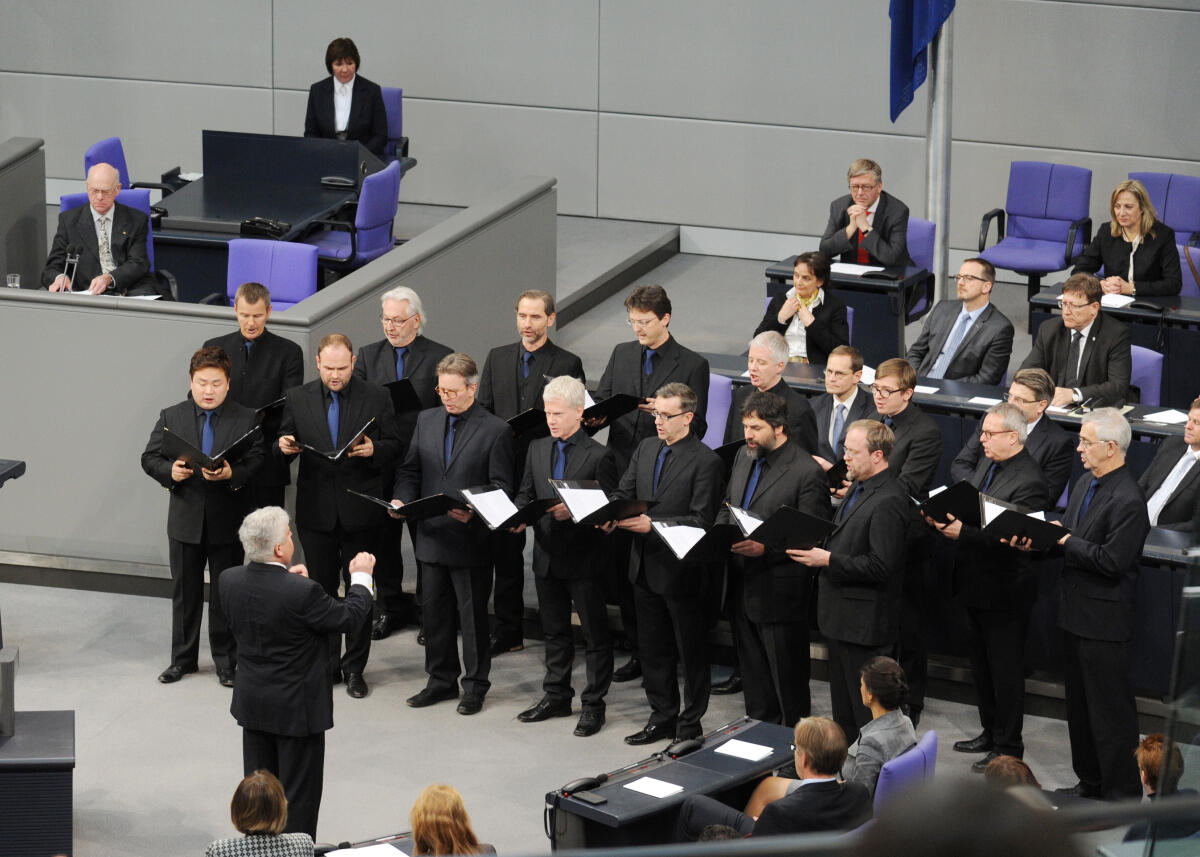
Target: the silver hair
(564, 387)
(774, 342)
(1110, 425)
(261, 531)
(1013, 419)
(404, 293)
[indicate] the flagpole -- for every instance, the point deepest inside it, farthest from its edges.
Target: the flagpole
(937, 151)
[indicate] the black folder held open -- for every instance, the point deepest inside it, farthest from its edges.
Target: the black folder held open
(338, 453)
(997, 518)
(530, 424)
(611, 408)
(695, 544)
(588, 504)
(175, 447)
(787, 528)
(498, 511)
(404, 396)
(417, 510)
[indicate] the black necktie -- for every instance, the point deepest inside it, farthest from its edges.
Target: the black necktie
(1072, 374)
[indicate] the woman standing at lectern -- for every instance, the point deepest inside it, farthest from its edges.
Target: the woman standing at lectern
(1136, 249)
(346, 105)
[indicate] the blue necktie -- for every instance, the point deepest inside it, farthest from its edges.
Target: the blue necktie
(648, 362)
(526, 356)
(752, 483)
(249, 345)
(331, 417)
(658, 464)
(560, 463)
(956, 337)
(400, 352)
(1087, 501)
(851, 499)
(206, 434)
(887, 421)
(450, 439)
(839, 425)
(991, 474)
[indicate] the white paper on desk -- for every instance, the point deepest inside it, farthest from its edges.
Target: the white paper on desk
(495, 507)
(1117, 301)
(1055, 409)
(142, 297)
(191, 177)
(1170, 416)
(868, 375)
(852, 269)
(581, 502)
(378, 850)
(983, 400)
(744, 750)
(925, 391)
(746, 522)
(991, 511)
(745, 374)
(653, 787)
(680, 538)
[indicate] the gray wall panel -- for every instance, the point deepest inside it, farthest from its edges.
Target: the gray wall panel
(535, 52)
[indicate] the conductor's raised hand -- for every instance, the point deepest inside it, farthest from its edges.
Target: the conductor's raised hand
(364, 562)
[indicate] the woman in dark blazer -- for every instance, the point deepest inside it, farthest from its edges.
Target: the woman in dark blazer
(1137, 250)
(811, 319)
(367, 120)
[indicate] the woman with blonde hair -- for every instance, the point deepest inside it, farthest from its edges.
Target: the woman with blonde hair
(440, 824)
(1136, 249)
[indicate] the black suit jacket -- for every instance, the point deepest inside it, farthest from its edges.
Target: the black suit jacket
(200, 508)
(775, 589)
(128, 246)
(483, 453)
(1107, 361)
(1156, 269)
(282, 623)
(690, 488)
(887, 242)
(623, 374)
(918, 450)
(499, 391)
(1182, 510)
(829, 329)
(982, 356)
(1052, 448)
(987, 574)
(859, 592)
(563, 549)
(816, 806)
(1100, 560)
(802, 425)
(273, 367)
(368, 117)
(322, 502)
(822, 405)
(377, 363)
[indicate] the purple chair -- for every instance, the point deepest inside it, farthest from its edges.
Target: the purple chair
(720, 395)
(287, 269)
(1176, 198)
(906, 770)
(110, 151)
(1047, 220)
(346, 246)
(393, 103)
(921, 235)
(1147, 374)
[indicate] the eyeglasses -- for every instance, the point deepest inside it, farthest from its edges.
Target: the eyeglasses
(883, 392)
(972, 277)
(101, 191)
(664, 417)
(1090, 443)
(988, 435)
(396, 322)
(1071, 305)
(641, 323)
(447, 394)
(862, 188)
(1009, 397)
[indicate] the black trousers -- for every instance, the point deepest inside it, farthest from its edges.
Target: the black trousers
(673, 634)
(299, 763)
(620, 590)
(390, 597)
(328, 556)
(456, 597)
(699, 811)
(187, 601)
(997, 652)
(508, 597)
(555, 596)
(262, 496)
(845, 666)
(920, 592)
(1101, 715)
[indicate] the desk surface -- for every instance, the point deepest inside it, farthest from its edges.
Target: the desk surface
(782, 270)
(1182, 309)
(226, 202)
(41, 741)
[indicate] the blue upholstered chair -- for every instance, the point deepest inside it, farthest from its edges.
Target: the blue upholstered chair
(287, 269)
(906, 770)
(397, 144)
(345, 246)
(110, 151)
(720, 395)
(920, 237)
(1176, 198)
(1147, 374)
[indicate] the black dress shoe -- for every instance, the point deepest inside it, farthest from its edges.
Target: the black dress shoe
(733, 684)
(652, 732)
(225, 677)
(471, 703)
(1079, 790)
(356, 685)
(504, 645)
(629, 672)
(430, 696)
(174, 673)
(589, 723)
(420, 638)
(979, 765)
(979, 744)
(546, 708)
(384, 625)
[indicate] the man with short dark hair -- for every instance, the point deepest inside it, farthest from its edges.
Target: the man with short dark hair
(1172, 481)
(842, 403)
(867, 226)
(765, 363)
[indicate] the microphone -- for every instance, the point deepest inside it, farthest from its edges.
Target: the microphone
(71, 266)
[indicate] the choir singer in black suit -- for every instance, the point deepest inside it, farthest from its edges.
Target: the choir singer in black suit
(335, 525)
(568, 560)
(843, 403)
(686, 478)
(811, 318)
(346, 105)
(263, 367)
(861, 570)
(996, 585)
(765, 362)
(459, 445)
(512, 381)
(1172, 481)
(769, 597)
(205, 511)
(283, 699)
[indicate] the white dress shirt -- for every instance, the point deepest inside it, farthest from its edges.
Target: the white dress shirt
(797, 333)
(342, 95)
(1159, 498)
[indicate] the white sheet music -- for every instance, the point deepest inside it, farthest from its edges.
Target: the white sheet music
(581, 502)
(680, 538)
(744, 750)
(852, 269)
(1117, 301)
(588, 401)
(991, 511)
(1170, 416)
(938, 490)
(653, 787)
(746, 522)
(983, 400)
(494, 506)
(925, 390)
(868, 375)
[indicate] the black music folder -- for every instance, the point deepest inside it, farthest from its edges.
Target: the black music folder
(417, 510)
(837, 474)
(1026, 525)
(786, 529)
(997, 518)
(175, 447)
(694, 544)
(588, 504)
(404, 396)
(729, 451)
(338, 453)
(272, 410)
(613, 407)
(498, 511)
(962, 500)
(530, 423)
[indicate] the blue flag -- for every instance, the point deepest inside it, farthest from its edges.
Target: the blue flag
(914, 24)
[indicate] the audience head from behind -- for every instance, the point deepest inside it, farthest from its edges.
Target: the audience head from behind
(563, 401)
(342, 59)
(401, 315)
(458, 381)
(535, 317)
(1003, 431)
(649, 311)
(266, 536)
(1103, 438)
(719, 833)
(259, 809)
(252, 308)
(209, 371)
(335, 361)
(1008, 771)
(883, 684)
(895, 381)
(1131, 210)
(1157, 776)
(764, 423)
(674, 409)
(1031, 390)
(440, 824)
(1081, 295)
(843, 371)
(956, 817)
(865, 178)
(810, 273)
(974, 282)
(866, 449)
(766, 359)
(820, 747)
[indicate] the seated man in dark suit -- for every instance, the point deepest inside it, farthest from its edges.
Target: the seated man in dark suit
(820, 803)
(967, 339)
(766, 360)
(1172, 481)
(867, 226)
(1086, 353)
(843, 403)
(110, 239)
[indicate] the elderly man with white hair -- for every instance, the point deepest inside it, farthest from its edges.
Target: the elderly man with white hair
(765, 363)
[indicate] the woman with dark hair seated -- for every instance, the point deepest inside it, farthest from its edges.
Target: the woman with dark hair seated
(259, 810)
(812, 320)
(440, 824)
(1136, 249)
(346, 105)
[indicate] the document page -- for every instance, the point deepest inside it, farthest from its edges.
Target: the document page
(581, 502)
(991, 511)
(744, 750)
(653, 787)
(746, 522)
(983, 400)
(1170, 416)
(1117, 301)
(925, 390)
(868, 375)
(680, 538)
(377, 850)
(852, 269)
(494, 506)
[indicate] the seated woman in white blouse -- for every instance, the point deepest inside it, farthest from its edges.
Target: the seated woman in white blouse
(811, 319)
